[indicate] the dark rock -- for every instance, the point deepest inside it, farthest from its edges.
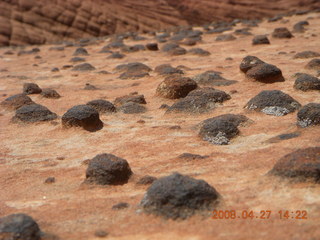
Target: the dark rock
(220, 130)
(260, 39)
(281, 32)
(115, 45)
(190, 156)
(103, 72)
(275, 18)
(50, 93)
(134, 66)
(178, 196)
(57, 48)
(108, 169)
(176, 87)
(50, 180)
(273, 102)
(189, 42)
(89, 86)
(19, 227)
(82, 116)
(83, 67)
(302, 164)
(102, 106)
(80, 52)
(164, 106)
(31, 88)
(299, 26)
(243, 31)
(66, 66)
(199, 101)
(34, 113)
(152, 46)
(101, 233)
(177, 51)
(32, 51)
(166, 69)
(130, 98)
(132, 108)
(121, 205)
(212, 78)
(169, 47)
(306, 82)
(309, 115)
(306, 54)
(199, 52)
(249, 62)
(265, 73)
(285, 136)
(16, 101)
(8, 52)
(146, 180)
(225, 37)
(117, 55)
(131, 49)
(314, 64)
(77, 59)
(219, 30)
(55, 69)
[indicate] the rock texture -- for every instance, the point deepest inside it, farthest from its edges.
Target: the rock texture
(38, 22)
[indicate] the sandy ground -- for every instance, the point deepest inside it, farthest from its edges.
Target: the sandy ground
(31, 153)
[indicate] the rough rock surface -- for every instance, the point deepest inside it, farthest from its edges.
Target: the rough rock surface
(314, 64)
(302, 164)
(108, 169)
(83, 116)
(16, 101)
(309, 115)
(212, 78)
(176, 87)
(273, 102)
(219, 130)
(306, 82)
(34, 113)
(102, 106)
(179, 196)
(265, 73)
(19, 226)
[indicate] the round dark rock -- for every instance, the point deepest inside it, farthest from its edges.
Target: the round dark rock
(306, 82)
(273, 102)
(101, 233)
(299, 26)
(146, 180)
(80, 52)
(50, 93)
(130, 98)
(314, 64)
(220, 130)
(177, 51)
(77, 59)
(169, 47)
(152, 46)
(260, 39)
(121, 205)
(306, 54)
(199, 101)
(281, 32)
(117, 55)
(132, 108)
(55, 69)
(166, 69)
(16, 101)
(309, 115)
(102, 106)
(178, 196)
(199, 52)
(225, 37)
(19, 226)
(31, 88)
(34, 113)
(265, 73)
(134, 66)
(83, 67)
(108, 169)
(302, 164)
(212, 78)
(249, 62)
(176, 87)
(82, 116)
(50, 180)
